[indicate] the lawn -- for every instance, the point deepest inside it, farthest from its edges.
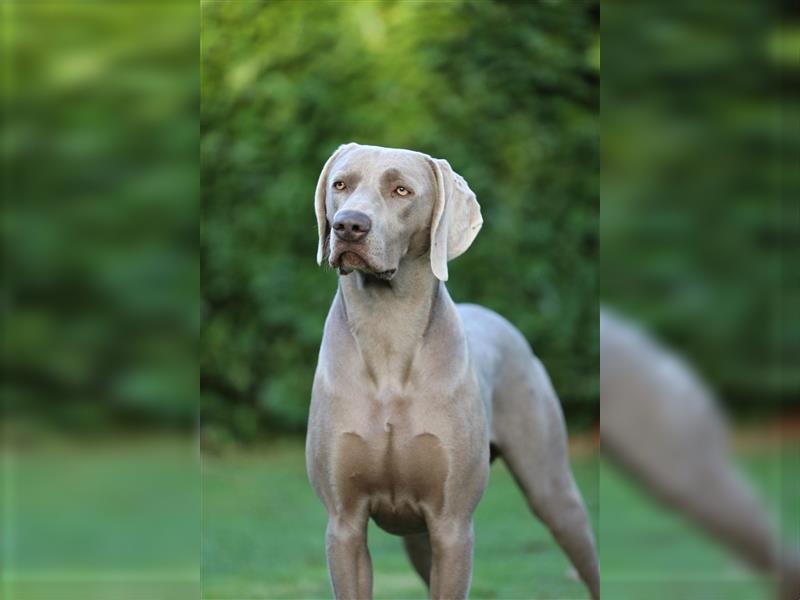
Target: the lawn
(650, 553)
(123, 521)
(264, 528)
(100, 520)
(264, 536)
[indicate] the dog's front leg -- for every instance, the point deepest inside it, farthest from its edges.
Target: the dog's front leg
(349, 562)
(451, 568)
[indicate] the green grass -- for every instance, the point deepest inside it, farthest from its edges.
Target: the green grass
(264, 530)
(111, 520)
(122, 521)
(264, 536)
(648, 552)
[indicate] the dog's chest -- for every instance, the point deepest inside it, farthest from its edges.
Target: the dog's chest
(399, 467)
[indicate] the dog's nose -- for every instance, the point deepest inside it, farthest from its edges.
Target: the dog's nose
(351, 225)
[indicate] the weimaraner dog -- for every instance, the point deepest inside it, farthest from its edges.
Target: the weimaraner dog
(412, 391)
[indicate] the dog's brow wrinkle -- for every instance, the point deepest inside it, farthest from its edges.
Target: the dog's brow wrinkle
(349, 176)
(391, 174)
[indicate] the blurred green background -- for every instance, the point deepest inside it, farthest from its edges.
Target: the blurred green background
(506, 92)
(699, 246)
(99, 305)
(700, 222)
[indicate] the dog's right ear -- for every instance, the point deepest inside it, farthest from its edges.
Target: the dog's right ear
(323, 227)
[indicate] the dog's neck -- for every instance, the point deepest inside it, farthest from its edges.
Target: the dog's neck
(389, 319)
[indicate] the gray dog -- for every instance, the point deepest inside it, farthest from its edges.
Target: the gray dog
(411, 390)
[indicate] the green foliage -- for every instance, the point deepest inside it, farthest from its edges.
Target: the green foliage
(699, 222)
(99, 309)
(507, 93)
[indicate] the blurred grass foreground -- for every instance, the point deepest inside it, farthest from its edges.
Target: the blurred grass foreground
(284, 555)
(263, 536)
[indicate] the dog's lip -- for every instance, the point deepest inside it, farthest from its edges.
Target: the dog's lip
(354, 257)
(362, 264)
(343, 249)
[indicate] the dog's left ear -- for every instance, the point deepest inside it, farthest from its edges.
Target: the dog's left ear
(456, 217)
(323, 227)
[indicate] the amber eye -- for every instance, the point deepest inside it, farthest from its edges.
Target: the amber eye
(401, 191)
(339, 185)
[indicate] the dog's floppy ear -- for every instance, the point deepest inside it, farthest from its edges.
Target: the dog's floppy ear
(323, 227)
(456, 217)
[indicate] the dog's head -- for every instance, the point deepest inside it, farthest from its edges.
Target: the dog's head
(377, 205)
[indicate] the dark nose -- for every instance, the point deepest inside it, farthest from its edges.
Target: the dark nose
(351, 225)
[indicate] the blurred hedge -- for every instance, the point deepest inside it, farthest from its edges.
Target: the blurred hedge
(99, 305)
(700, 219)
(507, 92)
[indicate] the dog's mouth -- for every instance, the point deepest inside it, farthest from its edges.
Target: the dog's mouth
(348, 260)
